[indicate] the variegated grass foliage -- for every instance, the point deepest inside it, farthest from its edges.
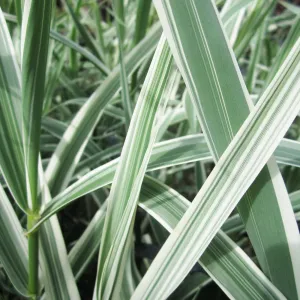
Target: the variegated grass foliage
(149, 150)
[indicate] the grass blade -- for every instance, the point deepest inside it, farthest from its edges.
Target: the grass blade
(142, 16)
(165, 154)
(285, 49)
(11, 151)
(19, 7)
(254, 59)
(224, 261)
(72, 45)
(90, 43)
(168, 207)
(57, 274)
(34, 52)
(129, 175)
(57, 129)
(120, 27)
(35, 40)
(118, 7)
(232, 8)
(70, 147)
(218, 92)
(13, 246)
(84, 52)
(255, 19)
(52, 244)
(235, 171)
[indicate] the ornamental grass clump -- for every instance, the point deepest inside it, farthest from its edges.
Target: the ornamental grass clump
(149, 150)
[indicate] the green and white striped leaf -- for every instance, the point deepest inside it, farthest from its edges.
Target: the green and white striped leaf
(72, 144)
(165, 154)
(169, 153)
(118, 6)
(34, 39)
(141, 22)
(142, 14)
(255, 19)
(81, 165)
(218, 93)
(223, 260)
(34, 52)
(123, 198)
(288, 153)
(180, 150)
(194, 125)
(232, 22)
(235, 223)
(53, 253)
(233, 174)
(11, 150)
(13, 246)
(57, 276)
(161, 202)
(232, 270)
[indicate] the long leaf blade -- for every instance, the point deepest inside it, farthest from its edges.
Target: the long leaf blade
(70, 148)
(165, 154)
(232, 270)
(11, 151)
(218, 93)
(35, 39)
(57, 274)
(235, 171)
(129, 175)
(13, 246)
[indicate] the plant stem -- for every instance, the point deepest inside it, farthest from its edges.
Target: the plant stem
(33, 254)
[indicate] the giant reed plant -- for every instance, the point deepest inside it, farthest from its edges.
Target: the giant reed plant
(114, 114)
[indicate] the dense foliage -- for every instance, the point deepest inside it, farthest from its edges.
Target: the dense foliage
(149, 150)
